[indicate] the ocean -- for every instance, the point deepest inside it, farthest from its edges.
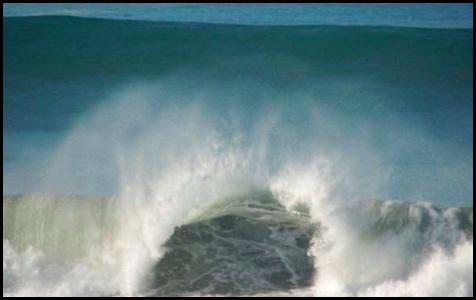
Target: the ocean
(252, 150)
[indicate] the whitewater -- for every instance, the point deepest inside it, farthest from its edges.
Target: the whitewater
(256, 161)
(181, 170)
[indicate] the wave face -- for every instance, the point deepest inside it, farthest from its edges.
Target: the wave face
(392, 88)
(236, 160)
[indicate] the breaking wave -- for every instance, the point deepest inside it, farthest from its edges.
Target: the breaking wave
(250, 161)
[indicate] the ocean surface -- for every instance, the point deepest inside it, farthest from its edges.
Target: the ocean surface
(426, 15)
(177, 150)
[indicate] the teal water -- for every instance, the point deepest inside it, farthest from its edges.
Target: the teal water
(433, 15)
(410, 88)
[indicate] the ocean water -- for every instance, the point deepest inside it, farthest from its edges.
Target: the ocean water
(427, 15)
(157, 151)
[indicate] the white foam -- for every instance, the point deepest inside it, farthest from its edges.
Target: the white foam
(408, 263)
